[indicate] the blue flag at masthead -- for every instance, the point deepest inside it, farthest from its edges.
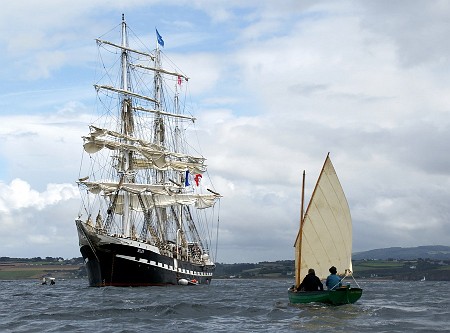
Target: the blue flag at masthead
(160, 40)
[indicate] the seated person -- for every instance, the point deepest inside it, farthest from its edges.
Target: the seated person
(333, 280)
(311, 282)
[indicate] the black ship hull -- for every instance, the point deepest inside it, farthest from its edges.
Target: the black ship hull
(127, 263)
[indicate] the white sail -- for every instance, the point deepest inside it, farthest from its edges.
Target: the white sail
(325, 236)
(109, 187)
(200, 201)
(154, 156)
(99, 132)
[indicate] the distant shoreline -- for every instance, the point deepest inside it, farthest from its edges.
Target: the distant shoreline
(38, 270)
(364, 270)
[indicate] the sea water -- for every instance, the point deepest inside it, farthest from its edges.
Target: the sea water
(235, 305)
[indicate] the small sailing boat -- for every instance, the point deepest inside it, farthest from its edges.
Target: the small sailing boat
(324, 240)
(148, 214)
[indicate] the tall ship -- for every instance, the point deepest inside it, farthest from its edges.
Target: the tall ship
(149, 213)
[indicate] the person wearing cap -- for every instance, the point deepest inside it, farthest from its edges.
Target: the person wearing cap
(333, 280)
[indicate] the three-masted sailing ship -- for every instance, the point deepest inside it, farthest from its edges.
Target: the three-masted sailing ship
(324, 239)
(148, 216)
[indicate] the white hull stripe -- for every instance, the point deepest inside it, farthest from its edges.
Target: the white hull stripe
(163, 266)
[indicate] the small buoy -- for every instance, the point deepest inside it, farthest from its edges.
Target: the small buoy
(183, 282)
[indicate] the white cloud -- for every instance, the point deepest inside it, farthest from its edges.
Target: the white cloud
(19, 195)
(276, 87)
(34, 223)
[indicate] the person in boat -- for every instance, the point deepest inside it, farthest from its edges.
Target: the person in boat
(333, 280)
(311, 282)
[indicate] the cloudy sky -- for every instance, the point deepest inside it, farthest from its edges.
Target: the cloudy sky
(276, 85)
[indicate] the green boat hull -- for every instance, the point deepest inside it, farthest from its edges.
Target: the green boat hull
(333, 297)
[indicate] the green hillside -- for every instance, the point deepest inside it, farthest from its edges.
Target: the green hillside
(435, 252)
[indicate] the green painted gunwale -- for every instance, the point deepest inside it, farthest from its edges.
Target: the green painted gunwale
(333, 297)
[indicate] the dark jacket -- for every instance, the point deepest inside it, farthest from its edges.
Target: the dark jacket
(311, 283)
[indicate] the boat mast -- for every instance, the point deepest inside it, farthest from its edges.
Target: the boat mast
(126, 129)
(299, 247)
(159, 139)
(303, 199)
(177, 132)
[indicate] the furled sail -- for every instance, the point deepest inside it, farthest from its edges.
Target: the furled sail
(109, 187)
(325, 236)
(200, 201)
(154, 156)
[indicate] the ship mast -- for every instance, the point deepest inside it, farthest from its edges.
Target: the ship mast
(159, 139)
(179, 220)
(127, 130)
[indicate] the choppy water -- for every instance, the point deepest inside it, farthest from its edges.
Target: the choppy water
(224, 306)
